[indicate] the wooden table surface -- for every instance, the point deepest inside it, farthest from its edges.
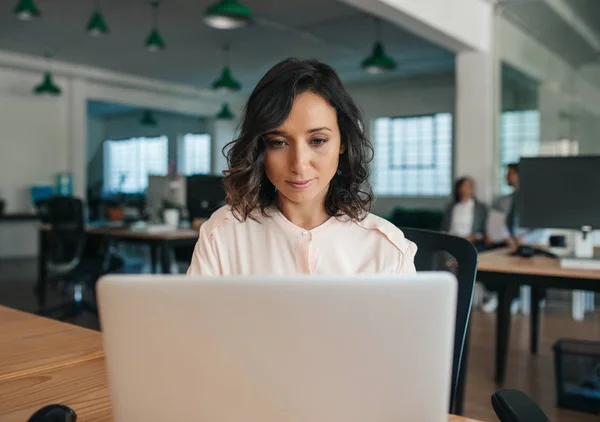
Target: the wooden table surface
(30, 344)
(500, 260)
(44, 362)
(128, 233)
(125, 233)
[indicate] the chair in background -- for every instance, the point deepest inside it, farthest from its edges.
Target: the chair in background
(442, 252)
(66, 264)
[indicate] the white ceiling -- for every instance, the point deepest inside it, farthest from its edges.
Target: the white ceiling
(323, 29)
(543, 22)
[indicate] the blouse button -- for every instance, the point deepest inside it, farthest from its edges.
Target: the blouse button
(305, 233)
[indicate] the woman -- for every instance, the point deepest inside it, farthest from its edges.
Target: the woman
(466, 216)
(297, 189)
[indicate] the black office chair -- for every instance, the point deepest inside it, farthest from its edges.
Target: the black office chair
(67, 268)
(442, 252)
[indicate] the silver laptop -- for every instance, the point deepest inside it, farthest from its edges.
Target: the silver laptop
(279, 349)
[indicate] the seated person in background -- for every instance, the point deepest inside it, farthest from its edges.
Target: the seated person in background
(515, 235)
(466, 216)
(507, 205)
(297, 186)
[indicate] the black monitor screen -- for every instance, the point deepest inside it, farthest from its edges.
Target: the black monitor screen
(205, 194)
(559, 192)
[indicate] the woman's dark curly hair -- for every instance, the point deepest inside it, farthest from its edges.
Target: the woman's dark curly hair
(247, 186)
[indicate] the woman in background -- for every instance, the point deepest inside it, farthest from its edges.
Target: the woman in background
(466, 216)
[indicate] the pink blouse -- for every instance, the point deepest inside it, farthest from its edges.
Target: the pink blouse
(274, 245)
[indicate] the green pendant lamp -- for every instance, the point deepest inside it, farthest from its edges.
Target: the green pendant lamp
(97, 25)
(226, 83)
(378, 61)
(227, 14)
(155, 41)
(47, 86)
(148, 119)
(225, 113)
(26, 10)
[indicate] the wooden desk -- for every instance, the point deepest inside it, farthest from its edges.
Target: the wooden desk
(507, 273)
(78, 383)
(19, 216)
(30, 344)
(82, 387)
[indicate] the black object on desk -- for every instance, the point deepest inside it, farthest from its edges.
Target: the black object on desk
(442, 252)
(526, 251)
(54, 413)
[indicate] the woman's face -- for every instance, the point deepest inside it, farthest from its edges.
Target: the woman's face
(466, 190)
(302, 155)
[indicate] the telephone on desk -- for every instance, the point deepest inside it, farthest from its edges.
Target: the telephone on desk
(526, 251)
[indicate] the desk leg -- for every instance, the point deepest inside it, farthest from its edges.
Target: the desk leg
(536, 296)
(153, 260)
(165, 257)
(505, 296)
(42, 281)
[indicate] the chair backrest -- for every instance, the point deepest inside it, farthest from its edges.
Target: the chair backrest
(442, 252)
(66, 238)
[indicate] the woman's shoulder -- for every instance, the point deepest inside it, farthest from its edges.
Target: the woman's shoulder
(388, 231)
(225, 219)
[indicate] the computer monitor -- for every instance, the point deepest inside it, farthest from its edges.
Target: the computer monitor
(164, 188)
(559, 193)
(205, 194)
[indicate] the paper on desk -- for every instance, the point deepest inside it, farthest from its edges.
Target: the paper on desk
(496, 226)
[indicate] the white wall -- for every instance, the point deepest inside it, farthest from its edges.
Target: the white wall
(33, 142)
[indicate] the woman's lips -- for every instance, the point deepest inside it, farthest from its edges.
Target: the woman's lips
(300, 185)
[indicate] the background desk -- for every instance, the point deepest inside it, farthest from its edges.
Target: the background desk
(158, 242)
(507, 273)
(79, 384)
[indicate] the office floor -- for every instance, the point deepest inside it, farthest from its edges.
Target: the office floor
(532, 374)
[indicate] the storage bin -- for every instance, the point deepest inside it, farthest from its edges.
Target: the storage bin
(577, 371)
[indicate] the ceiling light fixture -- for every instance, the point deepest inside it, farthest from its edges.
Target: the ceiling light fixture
(378, 61)
(148, 119)
(47, 86)
(155, 41)
(225, 113)
(226, 83)
(227, 14)
(97, 25)
(26, 10)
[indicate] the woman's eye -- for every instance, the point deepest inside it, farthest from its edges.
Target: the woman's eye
(275, 143)
(319, 141)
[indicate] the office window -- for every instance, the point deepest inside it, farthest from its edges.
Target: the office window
(413, 155)
(128, 162)
(194, 154)
(519, 137)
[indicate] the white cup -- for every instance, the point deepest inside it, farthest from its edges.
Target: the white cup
(171, 217)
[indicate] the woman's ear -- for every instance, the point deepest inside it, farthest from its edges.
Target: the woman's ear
(342, 148)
